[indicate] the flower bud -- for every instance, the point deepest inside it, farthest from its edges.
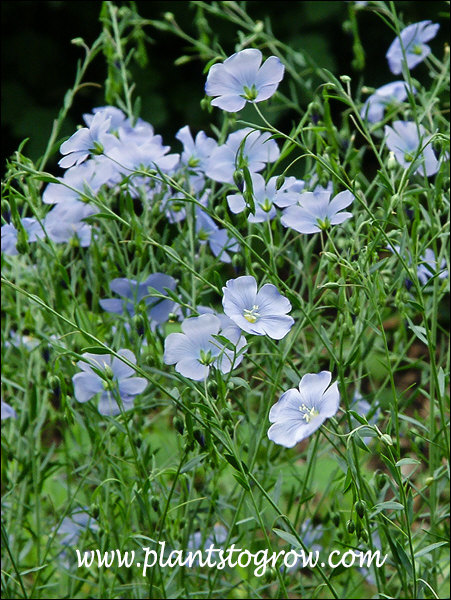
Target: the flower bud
(154, 503)
(139, 323)
(238, 178)
(392, 163)
(380, 480)
(55, 386)
(350, 526)
(387, 439)
(95, 511)
(280, 181)
(360, 507)
(199, 437)
(179, 424)
(336, 519)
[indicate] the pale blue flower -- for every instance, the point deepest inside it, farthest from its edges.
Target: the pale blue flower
(315, 211)
(88, 177)
(410, 144)
(218, 239)
(132, 293)
(196, 154)
(300, 412)
(7, 411)
(412, 39)
(429, 267)
(9, 234)
(261, 312)
(244, 147)
(65, 222)
(132, 156)
(116, 115)
(195, 350)
(73, 526)
(240, 79)
(264, 195)
(375, 105)
(86, 141)
(118, 379)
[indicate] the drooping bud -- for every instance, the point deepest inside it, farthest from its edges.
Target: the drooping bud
(360, 508)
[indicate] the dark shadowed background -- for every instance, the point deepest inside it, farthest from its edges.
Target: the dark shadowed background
(39, 61)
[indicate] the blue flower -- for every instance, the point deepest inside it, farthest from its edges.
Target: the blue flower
(132, 292)
(117, 379)
(316, 211)
(244, 147)
(195, 154)
(264, 195)
(86, 177)
(86, 141)
(9, 234)
(7, 411)
(218, 239)
(375, 105)
(240, 79)
(75, 525)
(195, 350)
(430, 267)
(299, 413)
(412, 39)
(260, 312)
(65, 221)
(410, 143)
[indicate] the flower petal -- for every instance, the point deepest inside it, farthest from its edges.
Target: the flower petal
(86, 385)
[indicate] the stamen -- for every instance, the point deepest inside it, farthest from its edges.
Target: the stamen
(251, 315)
(309, 413)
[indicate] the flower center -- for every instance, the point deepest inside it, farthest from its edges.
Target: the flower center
(266, 205)
(417, 49)
(250, 93)
(206, 358)
(408, 157)
(251, 315)
(309, 413)
(97, 148)
(193, 162)
(323, 223)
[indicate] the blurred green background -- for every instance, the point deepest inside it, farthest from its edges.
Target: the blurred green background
(39, 62)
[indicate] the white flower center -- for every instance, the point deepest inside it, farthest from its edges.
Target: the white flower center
(309, 413)
(251, 314)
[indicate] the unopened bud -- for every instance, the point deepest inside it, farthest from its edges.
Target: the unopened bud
(238, 178)
(199, 437)
(179, 424)
(360, 507)
(280, 181)
(350, 526)
(55, 386)
(139, 323)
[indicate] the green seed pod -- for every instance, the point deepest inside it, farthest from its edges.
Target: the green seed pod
(95, 511)
(155, 504)
(336, 519)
